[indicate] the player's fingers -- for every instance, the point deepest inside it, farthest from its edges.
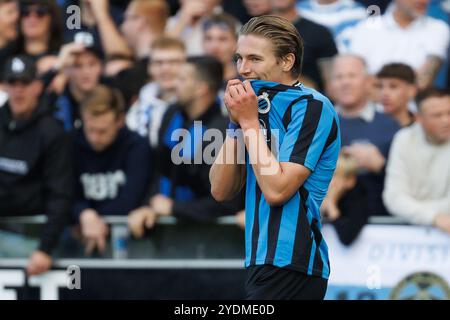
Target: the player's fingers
(234, 93)
(233, 82)
(228, 101)
(248, 87)
(240, 88)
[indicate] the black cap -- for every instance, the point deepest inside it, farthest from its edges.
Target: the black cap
(19, 68)
(88, 41)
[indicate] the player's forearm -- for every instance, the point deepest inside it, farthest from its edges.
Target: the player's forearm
(227, 174)
(272, 180)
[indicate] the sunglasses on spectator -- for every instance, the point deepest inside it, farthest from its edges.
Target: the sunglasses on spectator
(39, 11)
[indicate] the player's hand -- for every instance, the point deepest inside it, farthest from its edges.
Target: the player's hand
(140, 219)
(94, 231)
(39, 262)
(162, 205)
(442, 221)
(241, 101)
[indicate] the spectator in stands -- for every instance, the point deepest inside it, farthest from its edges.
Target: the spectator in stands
(145, 21)
(101, 19)
(404, 34)
(397, 84)
(35, 159)
(187, 24)
(366, 133)
(145, 116)
(337, 15)
(220, 42)
(345, 204)
(183, 190)
(319, 44)
(112, 165)
(9, 18)
(83, 67)
(41, 33)
(417, 184)
(256, 8)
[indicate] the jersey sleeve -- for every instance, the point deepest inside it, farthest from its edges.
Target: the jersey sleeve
(312, 127)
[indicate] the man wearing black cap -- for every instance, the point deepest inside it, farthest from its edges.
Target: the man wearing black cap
(81, 62)
(35, 160)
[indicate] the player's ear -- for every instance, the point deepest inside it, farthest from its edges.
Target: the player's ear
(288, 62)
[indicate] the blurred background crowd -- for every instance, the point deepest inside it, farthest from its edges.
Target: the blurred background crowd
(91, 94)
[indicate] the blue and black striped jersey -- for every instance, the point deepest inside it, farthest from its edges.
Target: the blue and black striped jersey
(304, 127)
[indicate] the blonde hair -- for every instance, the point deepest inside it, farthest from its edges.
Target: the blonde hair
(282, 34)
(102, 100)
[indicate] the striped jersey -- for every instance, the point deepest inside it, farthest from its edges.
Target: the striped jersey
(301, 126)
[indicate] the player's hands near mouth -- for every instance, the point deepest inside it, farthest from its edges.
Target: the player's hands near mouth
(242, 102)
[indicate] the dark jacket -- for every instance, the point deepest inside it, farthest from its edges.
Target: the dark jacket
(114, 181)
(188, 183)
(35, 170)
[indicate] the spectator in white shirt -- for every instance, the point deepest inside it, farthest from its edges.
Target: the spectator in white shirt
(404, 34)
(145, 116)
(417, 185)
(336, 15)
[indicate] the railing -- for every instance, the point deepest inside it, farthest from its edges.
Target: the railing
(228, 220)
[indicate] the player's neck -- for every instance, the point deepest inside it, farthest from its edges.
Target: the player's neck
(289, 81)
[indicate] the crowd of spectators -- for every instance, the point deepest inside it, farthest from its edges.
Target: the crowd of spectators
(92, 93)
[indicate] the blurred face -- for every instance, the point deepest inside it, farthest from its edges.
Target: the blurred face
(255, 59)
(434, 116)
(23, 97)
(395, 94)
(350, 83)
(257, 7)
(207, 5)
(413, 8)
(36, 22)
(9, 18)
(85, 72)
(165, 65)
(133, 24)
(101, 130)
(282, 5)
(187, 85)
(220, 43)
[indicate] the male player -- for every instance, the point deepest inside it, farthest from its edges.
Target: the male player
(286, 255)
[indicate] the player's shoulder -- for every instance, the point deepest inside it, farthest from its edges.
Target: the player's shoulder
(311, 94)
